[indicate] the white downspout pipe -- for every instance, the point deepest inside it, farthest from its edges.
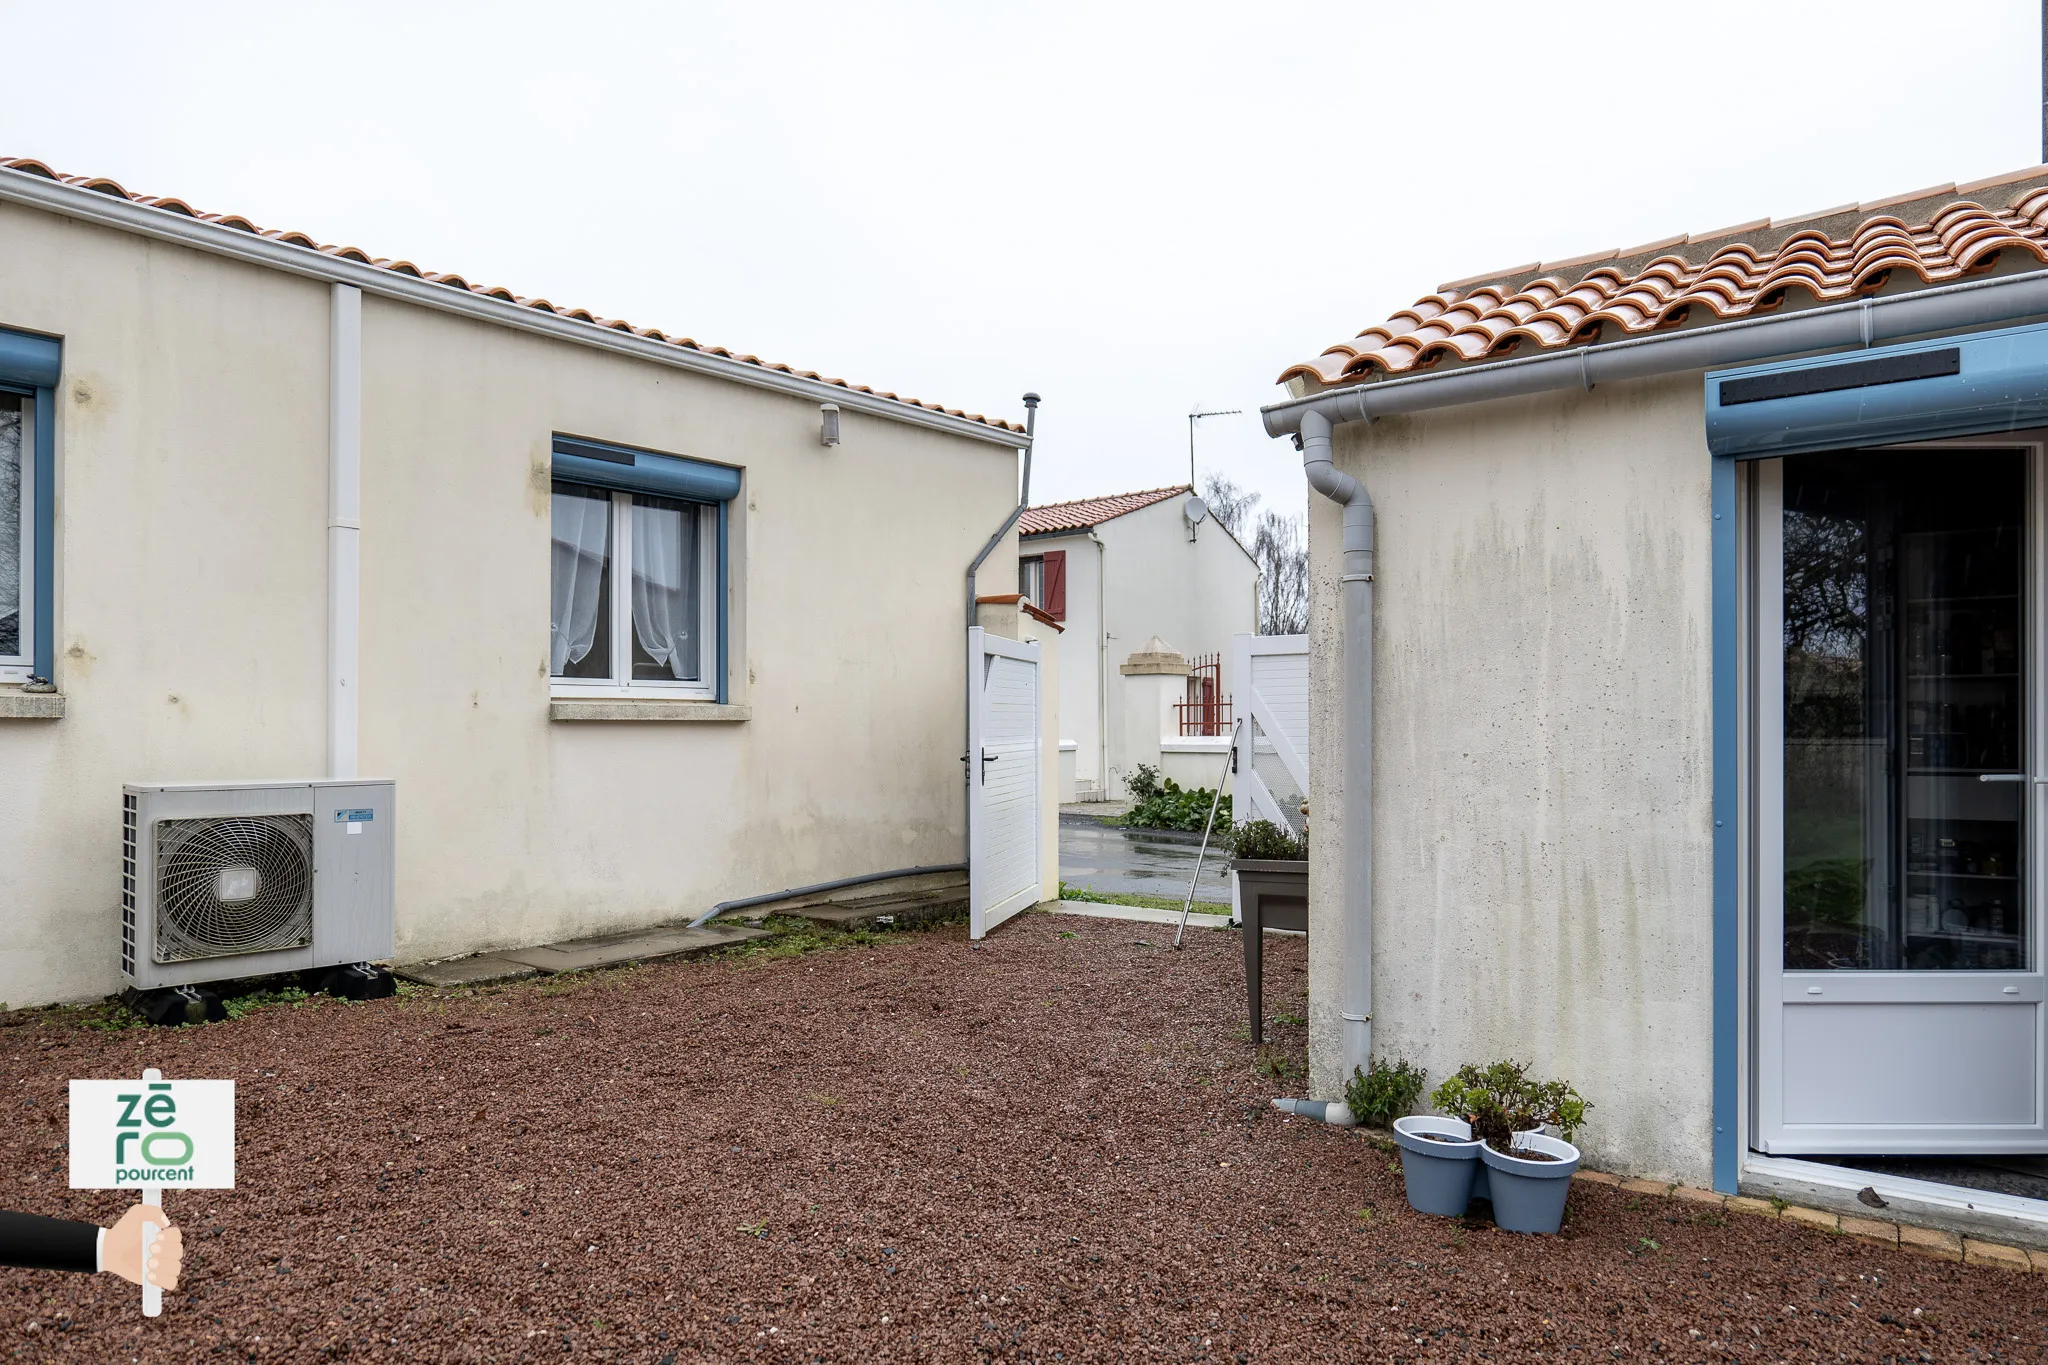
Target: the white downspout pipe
(344, 525)
(1101, 665)
(1355, 999)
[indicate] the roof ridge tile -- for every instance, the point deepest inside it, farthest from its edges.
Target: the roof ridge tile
(1829, 254)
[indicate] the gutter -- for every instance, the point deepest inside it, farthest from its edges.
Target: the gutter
(1863, 323)
(165, 225)
(1311, 421)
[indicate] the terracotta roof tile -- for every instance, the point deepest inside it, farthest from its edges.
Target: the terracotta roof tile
(102, 185)
(1753, 267)
(1082, 513)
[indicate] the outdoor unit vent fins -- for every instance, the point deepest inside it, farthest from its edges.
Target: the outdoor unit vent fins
(229, 885)
(235, 879)
(128, 883)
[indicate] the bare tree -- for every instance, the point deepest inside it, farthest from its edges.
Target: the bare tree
(1276, 543)
(1282, 552)
(1230, 504)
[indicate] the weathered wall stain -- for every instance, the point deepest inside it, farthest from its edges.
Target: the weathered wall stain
(1542, 785)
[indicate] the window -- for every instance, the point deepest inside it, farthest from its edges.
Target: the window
(17, 535)
(1031, 579)
(633, 603)
(1043, 579)
(29, 367)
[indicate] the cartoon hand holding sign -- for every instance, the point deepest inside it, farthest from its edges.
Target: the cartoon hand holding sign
(144, 1135)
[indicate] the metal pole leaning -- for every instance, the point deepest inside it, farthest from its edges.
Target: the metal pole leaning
(1189, 903)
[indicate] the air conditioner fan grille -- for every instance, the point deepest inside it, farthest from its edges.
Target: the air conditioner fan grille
(228, 885)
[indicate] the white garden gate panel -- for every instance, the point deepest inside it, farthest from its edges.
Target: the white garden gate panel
(1003, 787)
(1270, 674)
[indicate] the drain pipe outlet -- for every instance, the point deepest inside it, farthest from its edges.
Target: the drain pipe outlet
(1334, 1112)
(1356, 837)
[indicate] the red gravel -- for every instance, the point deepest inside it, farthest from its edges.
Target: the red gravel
(1053, 1148)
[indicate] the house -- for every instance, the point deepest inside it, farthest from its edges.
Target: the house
(1679, 608)
(1139, 574)
(276, 509)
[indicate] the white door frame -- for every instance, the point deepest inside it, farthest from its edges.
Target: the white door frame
(996, 889)
(1771, 989)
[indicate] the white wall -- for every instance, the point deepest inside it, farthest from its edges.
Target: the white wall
(191, 511)
(1080, 650)
(1543, 819)
(1193, 594)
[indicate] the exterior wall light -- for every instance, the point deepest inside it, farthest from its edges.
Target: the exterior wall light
(828, 424)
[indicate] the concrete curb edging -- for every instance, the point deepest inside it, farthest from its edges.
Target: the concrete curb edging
(1920, 1241)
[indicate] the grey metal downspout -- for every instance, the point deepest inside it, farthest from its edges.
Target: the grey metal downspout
(967, 765)
(1355, 1001)
(727, 907)
(1023, 501)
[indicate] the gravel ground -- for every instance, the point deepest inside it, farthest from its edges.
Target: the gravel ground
(1056, 1147)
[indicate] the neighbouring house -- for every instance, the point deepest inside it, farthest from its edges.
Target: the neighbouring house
(622, 630)
(1139, 574)
(1681, 609)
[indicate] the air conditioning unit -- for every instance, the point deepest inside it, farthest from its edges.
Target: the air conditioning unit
(239, 879)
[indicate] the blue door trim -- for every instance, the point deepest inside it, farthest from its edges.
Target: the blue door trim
(1727, 847)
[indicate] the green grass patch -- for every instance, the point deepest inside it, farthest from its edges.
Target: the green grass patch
(796, 937)
(1071, 892)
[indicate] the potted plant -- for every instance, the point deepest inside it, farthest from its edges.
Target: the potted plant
(1528, 1172)
(1270, 865)
(1269, 870)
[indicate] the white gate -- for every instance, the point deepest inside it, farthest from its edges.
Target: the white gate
(1270, 674)
(1003, 787)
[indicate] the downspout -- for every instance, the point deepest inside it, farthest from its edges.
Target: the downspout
(344, 525)
(967, 764)
(1101, 664)
(1023, 501)
(1355, 999)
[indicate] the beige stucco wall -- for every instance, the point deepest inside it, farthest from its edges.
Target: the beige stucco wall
(191, 611)
(1543, 822)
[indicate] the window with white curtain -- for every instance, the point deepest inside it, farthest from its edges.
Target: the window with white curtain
(16, 528)
(1031, 579)
(632, 603)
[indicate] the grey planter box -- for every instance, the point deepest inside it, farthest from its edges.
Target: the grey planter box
(1273, 893)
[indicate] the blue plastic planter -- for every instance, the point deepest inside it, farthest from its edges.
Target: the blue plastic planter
(1528, 1196)
(1440, 1175)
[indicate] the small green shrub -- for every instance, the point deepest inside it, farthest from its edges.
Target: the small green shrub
(1170, 805)
(1501, 1100)
(1264, 839)
(1385, 1093)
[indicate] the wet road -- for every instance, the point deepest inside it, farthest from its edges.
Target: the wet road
(1137, 861)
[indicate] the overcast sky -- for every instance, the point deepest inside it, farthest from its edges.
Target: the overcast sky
(1131, 210)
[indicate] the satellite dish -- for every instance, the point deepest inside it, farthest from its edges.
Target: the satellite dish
(1195, 511)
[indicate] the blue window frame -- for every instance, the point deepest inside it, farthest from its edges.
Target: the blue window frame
(639, 592)
(29, 366)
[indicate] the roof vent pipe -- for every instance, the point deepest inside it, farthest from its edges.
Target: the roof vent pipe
(1355, 998)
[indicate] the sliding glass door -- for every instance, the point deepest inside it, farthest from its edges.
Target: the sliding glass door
(1895, 600)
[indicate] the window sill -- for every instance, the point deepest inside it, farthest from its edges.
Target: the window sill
(643, 708)
(18, 705)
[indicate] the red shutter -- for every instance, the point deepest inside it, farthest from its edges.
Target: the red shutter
(1055, 603)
